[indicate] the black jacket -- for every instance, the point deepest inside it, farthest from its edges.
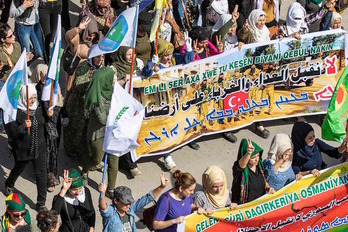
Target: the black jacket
(21, 139)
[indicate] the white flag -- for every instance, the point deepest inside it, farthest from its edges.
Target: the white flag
(53, 68)
(124, 121)
(10, 92)
(121, 33)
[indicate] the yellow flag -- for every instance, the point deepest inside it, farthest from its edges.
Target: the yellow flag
(160, 12)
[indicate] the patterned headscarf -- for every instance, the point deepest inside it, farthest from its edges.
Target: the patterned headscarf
(76, 179)
(14, 202)
(245, 176)
(166, 48)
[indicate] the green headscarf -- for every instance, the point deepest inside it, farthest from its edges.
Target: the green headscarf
(14, 202)
(77, 181)
(121, 64)
(243, 147)
(318, 2)
(100, 86)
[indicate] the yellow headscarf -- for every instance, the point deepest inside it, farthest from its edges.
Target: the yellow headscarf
(212, 175)
(165, 48)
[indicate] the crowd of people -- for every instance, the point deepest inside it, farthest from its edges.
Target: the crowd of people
(192, 30)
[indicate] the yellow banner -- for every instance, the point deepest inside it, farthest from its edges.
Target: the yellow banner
(232, 90)
(312, 204)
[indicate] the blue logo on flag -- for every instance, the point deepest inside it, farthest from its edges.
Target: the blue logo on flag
(13, 87)
(115, 35)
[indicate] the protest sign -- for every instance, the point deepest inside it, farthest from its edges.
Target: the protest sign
(308, 205)
(262, 81)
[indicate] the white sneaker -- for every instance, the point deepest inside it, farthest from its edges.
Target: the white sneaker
(169, 163)
(135, 172)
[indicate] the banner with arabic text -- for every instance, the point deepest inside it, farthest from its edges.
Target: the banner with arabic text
(260, 82)
(311, 204)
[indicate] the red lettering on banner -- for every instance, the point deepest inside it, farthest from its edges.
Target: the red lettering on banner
(331, 67)
(324, 94)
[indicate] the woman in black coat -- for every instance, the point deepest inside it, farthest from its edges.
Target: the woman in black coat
(29, 145)
(74, 204)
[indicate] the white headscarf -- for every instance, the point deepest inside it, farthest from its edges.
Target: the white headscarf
(220, 6)
(22, 100)
(258, 4)
(292, 25)
(335, 16)
(280, 143)
(259, 35)
(224, 18)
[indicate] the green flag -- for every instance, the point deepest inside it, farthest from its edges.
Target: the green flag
(333, 127)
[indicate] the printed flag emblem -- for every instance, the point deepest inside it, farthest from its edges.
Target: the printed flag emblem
(13, 87)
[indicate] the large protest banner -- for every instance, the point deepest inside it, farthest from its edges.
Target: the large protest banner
(312, 204)
(260, 82)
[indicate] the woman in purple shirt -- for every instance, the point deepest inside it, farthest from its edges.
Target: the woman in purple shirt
(175, 204)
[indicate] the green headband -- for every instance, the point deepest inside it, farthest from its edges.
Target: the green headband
(76, 179)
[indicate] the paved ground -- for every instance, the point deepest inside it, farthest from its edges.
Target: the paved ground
(214, 151)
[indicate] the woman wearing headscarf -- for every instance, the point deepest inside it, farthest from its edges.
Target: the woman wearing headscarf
(271, 8)
(278, 169)
(215, 194)
(97, 104)
(123, 62)
(16, 217)
(29, 145)
(226, 29)
(102, 12)
(313, 6)
(75, 128)
(80, 39)
(307, 150)
(167, 58)
(249, 182)
(74, 204)
(336, 21)
(53, 126)
(254, 29)
(298, 22)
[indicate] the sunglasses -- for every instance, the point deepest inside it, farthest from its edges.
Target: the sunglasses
(10, 35)
(17, 215)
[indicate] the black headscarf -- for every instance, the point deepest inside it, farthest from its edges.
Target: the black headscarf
(299, 132)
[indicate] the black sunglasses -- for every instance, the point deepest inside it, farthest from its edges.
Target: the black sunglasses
(7, 37)
(17, 215)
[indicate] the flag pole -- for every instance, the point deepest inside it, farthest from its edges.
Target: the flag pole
(104, 172)
(131, 72)
(156, 44)
(51, 95)
(27, 87)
